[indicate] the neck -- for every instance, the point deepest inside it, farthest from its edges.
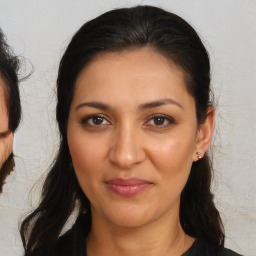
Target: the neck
(154, 239)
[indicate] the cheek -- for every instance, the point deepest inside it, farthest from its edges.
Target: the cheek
(173, 153)
(88, 161)
(173, 159)
(4, 124)
(5, 148)
(87, 157)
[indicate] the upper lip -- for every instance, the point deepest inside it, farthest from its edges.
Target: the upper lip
(127, 182)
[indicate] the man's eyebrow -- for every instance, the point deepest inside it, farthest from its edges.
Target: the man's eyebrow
(5, 133)
(159, 103)
(94, 104)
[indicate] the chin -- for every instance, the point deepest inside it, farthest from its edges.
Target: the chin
(129, 217)
(130, 221)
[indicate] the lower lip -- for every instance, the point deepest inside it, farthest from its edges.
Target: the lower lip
(128, 190)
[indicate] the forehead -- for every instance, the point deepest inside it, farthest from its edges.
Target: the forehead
(149, 57)
(130, 71)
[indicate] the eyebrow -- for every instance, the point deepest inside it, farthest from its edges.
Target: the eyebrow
(94, 104)
(148, 105)
(159, 103)
(5, 133)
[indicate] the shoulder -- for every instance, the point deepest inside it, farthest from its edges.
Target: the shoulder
(73, 241)
(62, 247)
(203, 248)
(228, 252)
(64, 244)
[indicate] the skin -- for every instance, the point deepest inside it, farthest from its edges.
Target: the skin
(129, 141)
(6, 137)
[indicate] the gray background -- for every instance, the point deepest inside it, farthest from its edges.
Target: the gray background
(40, 31)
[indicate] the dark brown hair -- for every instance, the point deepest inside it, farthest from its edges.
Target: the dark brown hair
(117, 30)
(9, 66)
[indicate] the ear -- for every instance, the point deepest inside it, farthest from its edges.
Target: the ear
(205, 133)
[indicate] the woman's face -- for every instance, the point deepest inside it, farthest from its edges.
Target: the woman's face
(133, 135)
(6, 137)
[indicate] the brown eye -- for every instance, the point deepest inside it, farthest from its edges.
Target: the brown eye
(159, 120)
(97, 120)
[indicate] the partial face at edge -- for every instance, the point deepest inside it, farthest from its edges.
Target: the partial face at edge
(132, 121)
(6, 137)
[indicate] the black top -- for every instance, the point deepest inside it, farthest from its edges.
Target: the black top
(72, 243)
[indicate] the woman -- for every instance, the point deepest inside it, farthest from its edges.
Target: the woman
(10, 109)
(135, 122)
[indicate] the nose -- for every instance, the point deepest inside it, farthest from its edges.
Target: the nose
(127, 148)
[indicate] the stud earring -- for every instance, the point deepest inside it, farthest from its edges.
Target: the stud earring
(199, 155)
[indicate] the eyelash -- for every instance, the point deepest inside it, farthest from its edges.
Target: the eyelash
(85, 120)
(168, 119)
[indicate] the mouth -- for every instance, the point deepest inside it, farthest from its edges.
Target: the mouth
(128, 187)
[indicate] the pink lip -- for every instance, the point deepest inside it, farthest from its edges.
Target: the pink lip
(128, 187)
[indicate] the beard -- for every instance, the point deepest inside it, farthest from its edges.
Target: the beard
(6, 169)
